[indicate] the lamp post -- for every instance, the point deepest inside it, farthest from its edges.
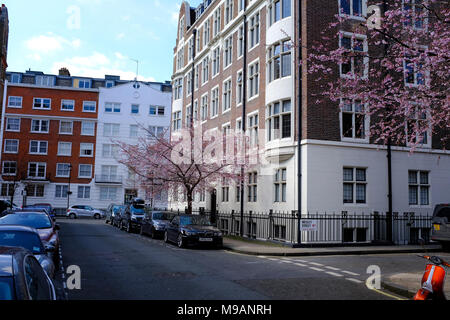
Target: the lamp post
(68, 189)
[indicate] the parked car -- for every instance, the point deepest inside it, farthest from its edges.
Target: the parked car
(116, 219)
(155, 223)
(45, 226)
(28, 238)
(185, 230)
(78, 211)
(132, 215)
(112, 210)
(5, 205)
(22, 277)
(45, 206)
(441, 225)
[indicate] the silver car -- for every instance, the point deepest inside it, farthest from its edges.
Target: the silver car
(441, 225)
(79, 211)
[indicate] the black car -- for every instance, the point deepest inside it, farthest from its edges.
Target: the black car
(132, 216)
(185, 230)
(116, 219)
(6, 205)
(22, 277)
(112, 210)
(155, 223)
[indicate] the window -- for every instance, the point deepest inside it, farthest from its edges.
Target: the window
(226, 95)
(61, 191)
(279, 61)
(111, 107)
(225, 191)
(252, 187)
(178, 89)
(353, 119)
(8, 190)
(109, 173)
(241, 5)
(65, 149)
(84, 192)
(87, 128)
(239, 88)
(415, 14)
(419, 188)
(279, 120)
(181, 28)
(35, 190)
(180, 59)
(111, 130)
(214, 102)
(205, 70)
(156, 131)
(108, 193)
(355, 185)
(67, 105)
(253, 121)
(216, 61)
(65, 127)
(278, 9)
(15, 102)
(63, 170)
(110, 150)
(176, 121)
(228, 51)
(238, 194)
(39, 126)
(134, 109)
(85, 171)
(228, 11)
(109, 84)
(38, 147)
(134, 129)
(13, 124)
(206, 33)
(197, 72)
(191, 49)
(37, 170)
(83, 83)
(253, 79)
(204, 108)
(202, 194)
(414, 72)
(195, 111)
(43, 104)
(89, 106)
(356, 63)
(351, 7)
(254, 31)
(240, 49)
(216, 22)
(188, 116)
(16, 78)
(9, 168)
(45, 81)
(280, 185)
(11, 146)
(415, 126)
(189, 83)
(86, 149)
(155, 110)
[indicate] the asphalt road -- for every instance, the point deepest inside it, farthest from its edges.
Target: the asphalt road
(121, 266)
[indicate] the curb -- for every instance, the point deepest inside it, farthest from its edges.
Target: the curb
(329, 253)
(394, 288)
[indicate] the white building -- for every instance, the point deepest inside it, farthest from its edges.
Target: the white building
(124, 112)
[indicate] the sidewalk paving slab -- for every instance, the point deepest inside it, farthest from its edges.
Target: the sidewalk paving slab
(407, 284)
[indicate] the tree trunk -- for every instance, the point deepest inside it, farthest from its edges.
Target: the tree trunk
(189, 201)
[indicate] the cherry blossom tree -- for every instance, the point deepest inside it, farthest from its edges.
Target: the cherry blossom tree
(191, 159)
(396, 65)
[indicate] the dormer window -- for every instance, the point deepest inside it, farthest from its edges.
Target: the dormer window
(45, 81)
(82, 83)
(16, 77)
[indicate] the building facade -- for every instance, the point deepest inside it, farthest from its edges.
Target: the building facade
(4, 35)
(221, 62)
(126, 112)
(50, 131)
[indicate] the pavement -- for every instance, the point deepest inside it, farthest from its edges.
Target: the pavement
(404, 284)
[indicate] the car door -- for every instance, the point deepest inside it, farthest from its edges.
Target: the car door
(147, 222)
(172, 229)
(38, 285)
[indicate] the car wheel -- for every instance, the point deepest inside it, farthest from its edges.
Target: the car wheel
(72, 216)
(129, 227)
(180, 241)
(166, 237)
(96, 216)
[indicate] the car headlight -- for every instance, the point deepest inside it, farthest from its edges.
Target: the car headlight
(188, 233)
(218, 234)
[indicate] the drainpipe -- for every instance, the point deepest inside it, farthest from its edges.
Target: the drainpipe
(299, 125)
(244, 120)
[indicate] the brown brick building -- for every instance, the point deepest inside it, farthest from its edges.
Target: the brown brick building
(4, 35)
(224, 46)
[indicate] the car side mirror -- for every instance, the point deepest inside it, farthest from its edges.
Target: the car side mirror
(57, 227)
(49, 248)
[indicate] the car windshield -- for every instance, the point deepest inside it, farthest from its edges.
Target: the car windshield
(162, 216)
(6, 288)
(27, 240)
(194, 220)
(117, 208)
(34, 220)
(137, 209)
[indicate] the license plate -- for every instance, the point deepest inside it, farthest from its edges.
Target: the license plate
(205, 239)
(437, 227)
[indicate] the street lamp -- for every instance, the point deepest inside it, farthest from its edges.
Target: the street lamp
(68, 189)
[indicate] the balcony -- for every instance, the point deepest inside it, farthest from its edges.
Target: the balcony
(108, 179)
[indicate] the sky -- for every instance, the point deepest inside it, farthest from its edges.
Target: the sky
(94, 37)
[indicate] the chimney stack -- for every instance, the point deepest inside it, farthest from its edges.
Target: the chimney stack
(64, 72)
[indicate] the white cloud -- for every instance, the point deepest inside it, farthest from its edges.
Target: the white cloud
(98, 65)
(120, 36)
(48, 44)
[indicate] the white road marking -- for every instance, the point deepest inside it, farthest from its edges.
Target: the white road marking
(354, 280)
(316, 264)
(334, 274)
(333, 268)
(262, 257)
(300, 264)
(351, 273)
(316, 269)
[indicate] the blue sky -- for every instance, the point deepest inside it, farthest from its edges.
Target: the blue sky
(94, 37)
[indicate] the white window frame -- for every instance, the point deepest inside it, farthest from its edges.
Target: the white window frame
(227, 95)
(215, 102)
(71, 127)
(83, 192)
(90, 102)
(4, 166)
(352, 37)
(63, 190)
(79, 171)
(39, 143)
(86, 147)
(61, 154)
(38, 164)
(68, 102)
(365, 138)
(355, 182)
(254, 29)
(419, 185)
(11, 152)
(15, 106)
(42, 103)
(113, 106)
(83, 128)
(58, 169)
(7, 124)
(280, 186)
(352, 15)
(251, 77)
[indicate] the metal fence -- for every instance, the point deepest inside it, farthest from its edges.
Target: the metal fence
(324, 228)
